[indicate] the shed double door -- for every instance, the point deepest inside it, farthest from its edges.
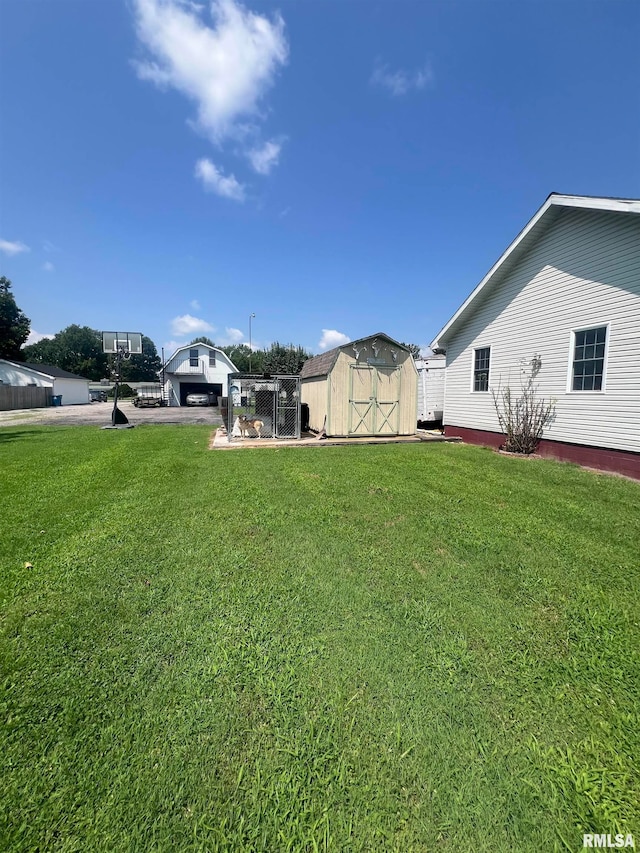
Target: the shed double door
(374, 400)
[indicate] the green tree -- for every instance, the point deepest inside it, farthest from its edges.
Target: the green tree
(278, 358)
(414, 349)
(77, 349)
(144, 367)
(46, 351)
(239, 355)
(284, 359)
(14, 324)
(203, 339)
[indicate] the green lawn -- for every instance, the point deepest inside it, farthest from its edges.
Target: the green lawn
(396, 648)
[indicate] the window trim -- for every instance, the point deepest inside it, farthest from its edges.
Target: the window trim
(572, 355)
(193, 358)
(212, 358)
(474, 350)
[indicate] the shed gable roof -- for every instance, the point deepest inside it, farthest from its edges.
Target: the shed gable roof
(50, 370)
(530, 234)
(322, 365)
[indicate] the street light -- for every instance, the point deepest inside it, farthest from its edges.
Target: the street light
(250, 318)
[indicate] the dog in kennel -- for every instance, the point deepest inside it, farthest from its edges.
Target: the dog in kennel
(247, 422)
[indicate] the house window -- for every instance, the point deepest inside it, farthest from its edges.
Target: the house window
(212, 358)
(193, 358)
(588, 359)
(481, 369)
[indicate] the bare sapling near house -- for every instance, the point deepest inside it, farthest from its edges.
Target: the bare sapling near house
(523, 415)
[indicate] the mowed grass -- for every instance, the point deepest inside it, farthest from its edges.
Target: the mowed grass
(394, 648)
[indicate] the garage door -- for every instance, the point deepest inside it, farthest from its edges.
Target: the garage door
(214, 388)
(374, 400)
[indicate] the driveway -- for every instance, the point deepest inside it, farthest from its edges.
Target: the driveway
(99, 414)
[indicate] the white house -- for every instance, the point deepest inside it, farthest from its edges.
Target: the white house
(567, 289)
(196, 368)
(72, 388)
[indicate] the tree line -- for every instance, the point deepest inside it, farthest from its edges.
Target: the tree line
(278, 358)
(78, 349)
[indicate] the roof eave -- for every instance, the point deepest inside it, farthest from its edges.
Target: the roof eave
(554, 200)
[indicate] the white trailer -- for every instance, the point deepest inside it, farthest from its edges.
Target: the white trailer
(431, 388)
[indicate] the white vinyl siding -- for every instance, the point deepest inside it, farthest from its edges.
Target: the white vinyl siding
(212, 370)
(583, 273)
(431, 373)
(73, 391)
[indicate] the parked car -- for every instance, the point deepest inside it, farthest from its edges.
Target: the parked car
(96, 395)
(198, 399)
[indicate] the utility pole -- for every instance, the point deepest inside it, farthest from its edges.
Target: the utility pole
(251, 316)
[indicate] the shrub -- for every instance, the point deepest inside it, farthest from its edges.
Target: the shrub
(523, 417)
(124, 390)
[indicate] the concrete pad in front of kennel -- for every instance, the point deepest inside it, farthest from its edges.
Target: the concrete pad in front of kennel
(220, 441)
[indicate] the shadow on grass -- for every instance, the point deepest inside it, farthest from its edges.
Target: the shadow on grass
(10, 434)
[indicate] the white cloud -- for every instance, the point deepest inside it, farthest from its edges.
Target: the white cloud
(195, 304)
(188, 325)
(264, 159)
(34, 337)
(48, 246)
(231, 336)
(225, 68)
(332, 338)
(170, 347)
(47, 266)
(13, 248)
(400, 82)
(215, 182)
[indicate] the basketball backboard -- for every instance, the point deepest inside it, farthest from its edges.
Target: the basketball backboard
(123, 342)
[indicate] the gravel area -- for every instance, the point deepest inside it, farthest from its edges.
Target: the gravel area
(99, 414)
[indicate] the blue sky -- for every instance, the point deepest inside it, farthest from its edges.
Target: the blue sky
(337, 167)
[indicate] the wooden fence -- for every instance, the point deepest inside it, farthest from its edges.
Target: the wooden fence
(24, 397)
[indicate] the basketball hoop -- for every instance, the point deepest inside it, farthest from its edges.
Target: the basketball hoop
(122, 345)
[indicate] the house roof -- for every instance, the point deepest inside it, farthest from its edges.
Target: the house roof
(46, 370)
(193, 346)
(321, 365)
(198, 344)
(530, 234)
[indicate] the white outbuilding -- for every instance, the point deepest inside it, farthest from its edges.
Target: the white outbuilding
(69, 387)
(197, 368)
(431, 372)
(367, 387)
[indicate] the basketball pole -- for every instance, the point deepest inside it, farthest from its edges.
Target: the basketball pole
(118, 418)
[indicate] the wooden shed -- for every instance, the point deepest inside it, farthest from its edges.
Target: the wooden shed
(364, 388)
